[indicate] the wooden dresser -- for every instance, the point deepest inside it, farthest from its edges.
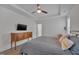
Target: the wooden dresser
(19, 36)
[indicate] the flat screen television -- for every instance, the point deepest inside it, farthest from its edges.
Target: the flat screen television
(21, 27)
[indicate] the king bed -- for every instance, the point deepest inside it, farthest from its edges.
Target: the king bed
(43, 46)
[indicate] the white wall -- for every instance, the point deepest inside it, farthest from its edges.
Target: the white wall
(8, 21)
(74, 17)
(52, 27)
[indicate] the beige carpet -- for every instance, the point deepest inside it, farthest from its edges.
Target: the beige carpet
(11, 51)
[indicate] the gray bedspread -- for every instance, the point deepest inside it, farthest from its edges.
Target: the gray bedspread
(43, 46)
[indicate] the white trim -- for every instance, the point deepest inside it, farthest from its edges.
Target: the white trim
(68, 25)
(17, 7)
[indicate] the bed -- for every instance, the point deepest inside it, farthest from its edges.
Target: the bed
(43, 46)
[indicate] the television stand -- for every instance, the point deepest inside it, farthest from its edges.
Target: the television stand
(18, 36)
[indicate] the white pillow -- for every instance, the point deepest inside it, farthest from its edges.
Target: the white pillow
(65, 43)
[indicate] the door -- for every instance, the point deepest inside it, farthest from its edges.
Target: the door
(39, 30)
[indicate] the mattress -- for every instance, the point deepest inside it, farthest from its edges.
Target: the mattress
(43, 46)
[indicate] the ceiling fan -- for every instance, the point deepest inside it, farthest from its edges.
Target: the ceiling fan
(39, 10)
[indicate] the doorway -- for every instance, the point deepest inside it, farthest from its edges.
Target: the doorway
(39, 30)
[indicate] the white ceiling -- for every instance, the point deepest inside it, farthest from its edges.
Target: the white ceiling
(52, 9)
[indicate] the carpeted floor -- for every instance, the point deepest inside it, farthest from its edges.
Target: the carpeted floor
(11, 51)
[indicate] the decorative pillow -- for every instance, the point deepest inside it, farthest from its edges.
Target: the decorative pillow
(58, 36)
(65, 42)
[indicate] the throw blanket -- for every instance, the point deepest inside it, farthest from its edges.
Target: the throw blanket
(65, 43)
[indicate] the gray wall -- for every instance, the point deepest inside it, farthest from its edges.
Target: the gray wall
(8, 21)
(74, 17)
(52, 27)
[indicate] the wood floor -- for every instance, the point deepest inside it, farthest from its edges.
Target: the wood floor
(11, 51)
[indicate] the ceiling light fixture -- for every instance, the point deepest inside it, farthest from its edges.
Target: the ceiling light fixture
(39, 11)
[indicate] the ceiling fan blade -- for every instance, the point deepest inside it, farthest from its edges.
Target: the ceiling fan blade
(39, 9)
(44, 11)
(34, 12)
